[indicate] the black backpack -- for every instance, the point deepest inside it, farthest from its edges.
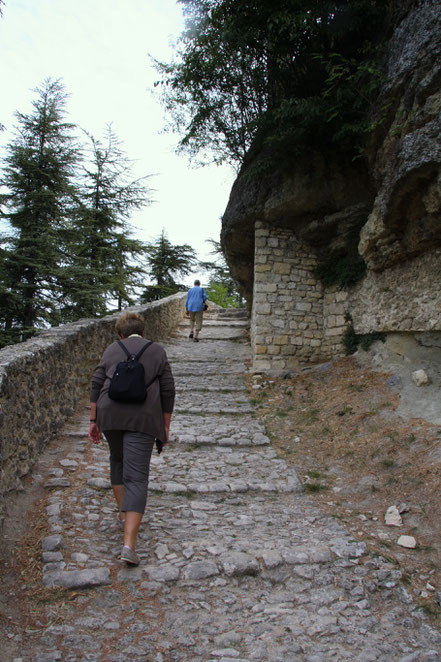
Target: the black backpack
(127, 383)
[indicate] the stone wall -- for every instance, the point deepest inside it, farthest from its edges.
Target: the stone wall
(294, 319)
(43, 380)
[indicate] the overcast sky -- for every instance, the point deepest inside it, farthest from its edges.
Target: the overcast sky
(99, 48)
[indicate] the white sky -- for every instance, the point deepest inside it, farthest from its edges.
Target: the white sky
(99, 48)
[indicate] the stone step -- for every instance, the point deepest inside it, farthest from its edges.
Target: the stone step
(219, 469)
(186, 368)
(217, 332)
(219, 323)
(221, 403)
(211, 384)
(225, 430)
(223, 351)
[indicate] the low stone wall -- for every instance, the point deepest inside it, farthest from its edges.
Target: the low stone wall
(43, 380)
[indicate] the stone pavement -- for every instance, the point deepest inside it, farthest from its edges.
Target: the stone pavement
(237, 564)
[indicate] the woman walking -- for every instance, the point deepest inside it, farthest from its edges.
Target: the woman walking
(131, 428)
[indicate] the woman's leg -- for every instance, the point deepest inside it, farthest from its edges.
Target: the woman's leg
(115, 441)
(137, 453)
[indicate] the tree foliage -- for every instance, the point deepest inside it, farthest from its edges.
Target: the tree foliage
(284, 72)
(221, 287)
(39, 168)
(68, 251)
(105, 259)
(166, 262)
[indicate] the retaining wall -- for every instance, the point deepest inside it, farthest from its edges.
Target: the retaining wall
(43, 380)
(294, 318)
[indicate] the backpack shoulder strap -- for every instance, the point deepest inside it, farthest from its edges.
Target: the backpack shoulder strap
(143, 349)
(124, 348)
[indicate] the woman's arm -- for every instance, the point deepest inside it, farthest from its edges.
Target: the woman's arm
(167, 421)
(98, 378)
(94, 433)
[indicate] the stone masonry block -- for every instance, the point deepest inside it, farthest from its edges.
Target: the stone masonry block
(261, 366)
(305, 307)
(282, 268)
(274, 350)
(260, 349)
(265, 287)
(262, 309)
(281, 340)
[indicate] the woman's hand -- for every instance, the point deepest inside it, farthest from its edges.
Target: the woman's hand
(94, 433)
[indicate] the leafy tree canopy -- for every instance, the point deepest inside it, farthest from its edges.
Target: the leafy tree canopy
(284, 72)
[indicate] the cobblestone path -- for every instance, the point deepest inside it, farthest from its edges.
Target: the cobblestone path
(237, 564)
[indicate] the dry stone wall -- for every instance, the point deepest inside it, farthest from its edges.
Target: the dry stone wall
(294, 319)
(43, 380)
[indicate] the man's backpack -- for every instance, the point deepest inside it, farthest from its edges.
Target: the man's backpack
(128, 381)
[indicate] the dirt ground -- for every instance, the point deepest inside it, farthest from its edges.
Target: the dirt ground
(337, 425)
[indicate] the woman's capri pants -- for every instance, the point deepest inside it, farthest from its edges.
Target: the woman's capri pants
(130, 454)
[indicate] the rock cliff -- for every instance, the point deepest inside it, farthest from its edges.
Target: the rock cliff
(391, 197)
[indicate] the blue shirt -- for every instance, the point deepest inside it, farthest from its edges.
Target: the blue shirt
(195, 299)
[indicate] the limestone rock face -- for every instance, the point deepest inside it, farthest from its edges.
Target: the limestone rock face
(405, 219)
(319, 199)
(395, 193)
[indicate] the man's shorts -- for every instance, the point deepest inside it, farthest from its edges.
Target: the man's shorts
(196, 319)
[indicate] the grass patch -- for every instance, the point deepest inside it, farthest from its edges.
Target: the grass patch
(313, 487)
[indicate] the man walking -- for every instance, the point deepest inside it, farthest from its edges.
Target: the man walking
(195, 306)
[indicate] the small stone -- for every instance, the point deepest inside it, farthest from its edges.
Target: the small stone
(161, 550)
(77, 557)
(99, 483)
(200, 570)
(77, 578)
(53, 510)
(163, 573)
(51, 557)
(271, 559)
(393, 517)
(49, 567)
(130, 574)
(53, 656)
(407, 541)
(56, 482)
(52, 543)
(295, 557)
(420, 378)
(69, 463)
(239, 563)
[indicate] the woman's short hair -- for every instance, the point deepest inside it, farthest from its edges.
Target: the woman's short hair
(129, 323)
